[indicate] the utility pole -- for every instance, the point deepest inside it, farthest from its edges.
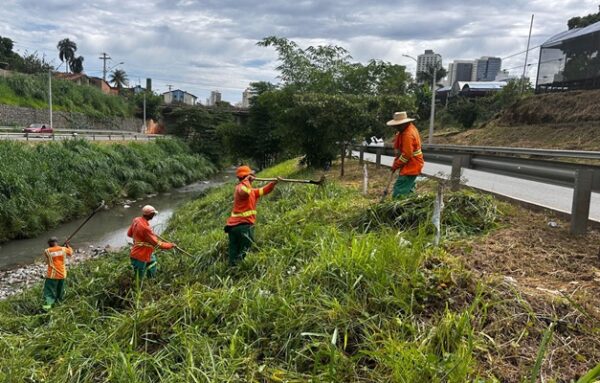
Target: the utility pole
(526, 56)
(105, 57)
(170, 86)
(145, 127)
(432, 114)
(50, 94)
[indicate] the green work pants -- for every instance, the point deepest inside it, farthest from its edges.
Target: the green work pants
(54, 291)
(143, 270)
(241, 238)
(404, 185)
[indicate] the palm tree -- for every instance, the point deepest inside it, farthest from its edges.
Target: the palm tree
(118, 78)
(66, 51)
(76, 64)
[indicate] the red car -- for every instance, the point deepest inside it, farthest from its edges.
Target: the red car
(38, 128)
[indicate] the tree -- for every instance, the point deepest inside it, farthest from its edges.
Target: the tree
(327, 101)
(76, 64)
(119, 78)
(582, 22)
(426, 76)
(66, 51)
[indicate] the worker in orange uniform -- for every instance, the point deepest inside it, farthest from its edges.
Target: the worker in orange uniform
(145, 241)
(54, 285)
(409, 157)
(240, 224)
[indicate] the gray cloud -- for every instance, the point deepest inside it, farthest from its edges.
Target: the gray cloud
(211, 44)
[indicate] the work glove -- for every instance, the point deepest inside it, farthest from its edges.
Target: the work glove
(397, 164)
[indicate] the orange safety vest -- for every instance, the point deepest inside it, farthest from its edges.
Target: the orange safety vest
(408, 142)
(144, 240)
(244, 202)
(55, 257)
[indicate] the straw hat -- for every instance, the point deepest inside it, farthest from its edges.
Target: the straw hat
(399, 119)
(148, 209)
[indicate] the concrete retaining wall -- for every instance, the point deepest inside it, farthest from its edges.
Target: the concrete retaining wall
(16, 115)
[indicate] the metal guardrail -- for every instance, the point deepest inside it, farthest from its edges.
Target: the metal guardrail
(502, 150)
(584, 179)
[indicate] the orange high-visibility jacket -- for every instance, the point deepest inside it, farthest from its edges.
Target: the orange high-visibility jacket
(55, 257)
(244, 202)
(408, 143)
(144, 240)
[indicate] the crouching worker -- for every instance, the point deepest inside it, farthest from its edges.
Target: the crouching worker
(145, 241)
(240, 225)
(54, 285)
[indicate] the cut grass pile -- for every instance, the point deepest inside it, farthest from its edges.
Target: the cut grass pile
(318, 299)
(43, 185)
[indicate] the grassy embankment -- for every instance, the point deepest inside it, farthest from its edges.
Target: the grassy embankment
(44, 185)
(566, 120)
(32, 91)
(338, 289)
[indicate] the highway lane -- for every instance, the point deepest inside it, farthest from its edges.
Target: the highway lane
(557, 198)
(85, 136)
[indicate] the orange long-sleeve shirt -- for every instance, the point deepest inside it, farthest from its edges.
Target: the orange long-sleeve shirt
(144, 240)
(55, 257)
(244, 202)
(408, 144)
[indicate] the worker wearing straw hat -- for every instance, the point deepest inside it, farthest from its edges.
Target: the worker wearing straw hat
(240, 224)
(409, 157)
(145, 241)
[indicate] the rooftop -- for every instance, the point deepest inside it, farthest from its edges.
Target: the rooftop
(571, 34)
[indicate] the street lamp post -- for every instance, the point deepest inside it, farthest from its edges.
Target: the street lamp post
(432, 113)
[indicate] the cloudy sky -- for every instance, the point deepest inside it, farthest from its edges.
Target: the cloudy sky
(203, 45)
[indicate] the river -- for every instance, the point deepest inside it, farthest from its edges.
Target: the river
(108, 228)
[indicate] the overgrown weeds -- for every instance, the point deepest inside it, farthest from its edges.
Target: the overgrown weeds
(43, 185)
(316, 300)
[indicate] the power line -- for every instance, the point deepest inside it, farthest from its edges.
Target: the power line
(520, 53)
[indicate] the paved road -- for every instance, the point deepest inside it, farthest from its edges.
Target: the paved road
(558, 198)
(85, 136)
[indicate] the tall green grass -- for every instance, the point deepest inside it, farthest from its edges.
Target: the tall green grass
(319, 299)
(43, 185)
(32, 91)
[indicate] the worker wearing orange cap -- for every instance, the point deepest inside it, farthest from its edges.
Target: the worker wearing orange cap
(145, 241)
(54, 285)
(240, 224)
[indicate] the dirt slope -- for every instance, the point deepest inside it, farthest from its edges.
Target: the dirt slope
(569, 120)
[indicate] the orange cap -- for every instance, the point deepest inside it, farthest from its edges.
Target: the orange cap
(243, 171)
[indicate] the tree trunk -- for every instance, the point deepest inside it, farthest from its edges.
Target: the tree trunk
(343, 159)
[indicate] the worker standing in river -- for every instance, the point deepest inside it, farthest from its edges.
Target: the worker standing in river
(409, 157)
(54, 285)
(143, 259)
(240, 224)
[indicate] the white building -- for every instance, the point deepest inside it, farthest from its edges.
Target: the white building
(179, 96)
(215, 97)
(246, 96)
(428, 59)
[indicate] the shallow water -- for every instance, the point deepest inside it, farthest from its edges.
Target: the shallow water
(107, 227)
